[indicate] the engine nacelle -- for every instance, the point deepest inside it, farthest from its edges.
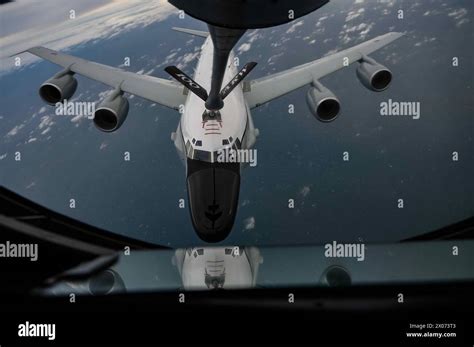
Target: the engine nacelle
(322, 103)
(373, 75)
(58, 88)
(112, 112)
(106, 282)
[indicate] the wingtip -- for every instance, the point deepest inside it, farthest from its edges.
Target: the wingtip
(192, 32)
(18, 53)
(394, 35)
(28, 50)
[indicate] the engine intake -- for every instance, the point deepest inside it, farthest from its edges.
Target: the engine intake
(106, 282)
(322, 103)
(112, 112)
(373, 75)
(58, 88)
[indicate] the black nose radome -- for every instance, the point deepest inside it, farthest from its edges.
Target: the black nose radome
(213, 191)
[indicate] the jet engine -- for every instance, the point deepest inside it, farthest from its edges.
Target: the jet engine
(112, 112)
(106, 282)
(322, 103)
(373, 75)
(58, 88)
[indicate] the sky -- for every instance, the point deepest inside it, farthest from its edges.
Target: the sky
(298, 156)
(28, 23)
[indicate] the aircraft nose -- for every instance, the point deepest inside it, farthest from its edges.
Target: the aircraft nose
(213, 191)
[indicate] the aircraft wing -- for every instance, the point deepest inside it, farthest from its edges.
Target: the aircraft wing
(192, 32)
(162, 91)
(265, 89)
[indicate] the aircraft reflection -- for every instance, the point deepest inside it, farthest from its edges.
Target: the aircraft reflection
(218, 267)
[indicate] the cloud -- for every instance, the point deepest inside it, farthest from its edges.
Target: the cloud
(244, 47)
(15, 130)
(249, 223)
(459, 16)
(305, 191)
(292, 29)
(46, 121)
(100, 23)
(187, 58)
(354, 14)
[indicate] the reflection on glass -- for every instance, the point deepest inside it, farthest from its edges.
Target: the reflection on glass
(218, 267)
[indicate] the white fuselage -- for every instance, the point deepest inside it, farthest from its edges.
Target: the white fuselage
(198, 138)
(218, 267)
